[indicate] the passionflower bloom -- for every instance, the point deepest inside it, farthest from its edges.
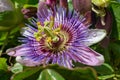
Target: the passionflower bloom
(59, 39)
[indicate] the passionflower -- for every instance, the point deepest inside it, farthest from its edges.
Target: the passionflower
(60, 39)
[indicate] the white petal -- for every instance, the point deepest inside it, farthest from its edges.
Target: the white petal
(94, 36)
(26, 31)
(86, 55)
(26, 61)
(18, 51)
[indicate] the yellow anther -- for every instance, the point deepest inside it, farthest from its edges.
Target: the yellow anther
(56, 33)
(38, 38)
(57, 30)
(49, 39)
(38, 23)
(39, 26)
(35, 34)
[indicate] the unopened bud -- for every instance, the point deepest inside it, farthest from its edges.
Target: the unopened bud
(108, 22)
(101, 3)
(29, 12)
(64, 3)
(82, 6)
(51, 2)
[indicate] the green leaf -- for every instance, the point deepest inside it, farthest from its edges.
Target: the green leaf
(118, 0)
(115, 49)
(22, 2)
(75, 73)
(3, 64)
(3, 36)
(26, 73)
(49, 74)
(104, 69)
(116, 24)
(106, 77)
(7, 18)
(10, 19)
(5, 75)
(17, 68)
(68, 74)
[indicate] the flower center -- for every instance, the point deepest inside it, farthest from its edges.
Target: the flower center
(58, 45)
(53, 39)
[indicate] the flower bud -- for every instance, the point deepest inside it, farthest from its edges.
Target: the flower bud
(82, 6)
(29, 12)
(108, 27)
(88, 17)
(51, 3)
(64, 3)
(101, 3)
(108, 22)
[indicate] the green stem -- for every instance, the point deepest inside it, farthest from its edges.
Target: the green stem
(5, 43)
(107, 55)
(106, 77)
